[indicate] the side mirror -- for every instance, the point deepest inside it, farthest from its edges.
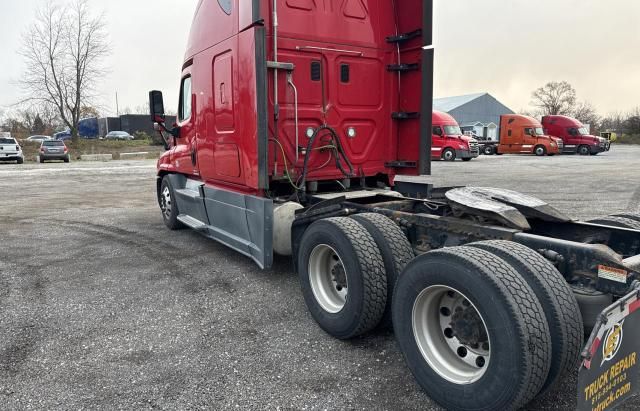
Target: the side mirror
(156, 106)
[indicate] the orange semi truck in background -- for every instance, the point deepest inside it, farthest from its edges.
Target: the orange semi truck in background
(522, 135)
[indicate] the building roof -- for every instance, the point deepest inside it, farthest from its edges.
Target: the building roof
(451, 103)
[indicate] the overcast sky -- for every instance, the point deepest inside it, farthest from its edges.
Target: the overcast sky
(505, 47)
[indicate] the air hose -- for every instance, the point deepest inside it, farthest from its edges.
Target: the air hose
(339, 153)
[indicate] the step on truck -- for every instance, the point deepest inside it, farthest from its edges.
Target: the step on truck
(520, 134)
(574, 134)
(302, 127)
(448, 143)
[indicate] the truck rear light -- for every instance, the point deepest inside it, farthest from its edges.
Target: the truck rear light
(17, 148)
(42, 149)
(310, 132)
(65, 149)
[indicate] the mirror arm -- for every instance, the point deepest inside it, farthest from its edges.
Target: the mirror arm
(161, 128)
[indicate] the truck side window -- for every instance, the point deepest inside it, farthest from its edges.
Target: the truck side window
(528, 131)
(573, 131)
(509, 133)
(437, 130)
(185, 99)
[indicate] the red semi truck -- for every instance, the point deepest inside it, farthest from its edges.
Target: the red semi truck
(575, 136)
(522, 135)
(448, 142)
(297, 120)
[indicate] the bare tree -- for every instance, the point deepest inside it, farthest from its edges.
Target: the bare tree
(64, 50)
(632, 124)
(141, 109)
(555, 98)
(587, 114)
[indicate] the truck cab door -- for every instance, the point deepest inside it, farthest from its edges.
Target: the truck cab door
(184, 154)
(438, 141)
(573, 137)
(528, 141)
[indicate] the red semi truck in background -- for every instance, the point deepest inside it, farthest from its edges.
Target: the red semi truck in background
(297, 120)
(448, 142)
(575, 136)
(522, 135)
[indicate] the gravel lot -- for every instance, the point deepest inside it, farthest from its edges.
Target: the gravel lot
(102, 307)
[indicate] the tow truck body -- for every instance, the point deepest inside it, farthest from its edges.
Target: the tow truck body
(302, 128)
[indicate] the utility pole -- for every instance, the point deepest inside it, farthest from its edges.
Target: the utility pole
(117, 108)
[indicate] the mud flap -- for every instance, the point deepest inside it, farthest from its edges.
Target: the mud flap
(609, 373)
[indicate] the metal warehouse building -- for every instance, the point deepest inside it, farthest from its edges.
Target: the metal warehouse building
(479, 113)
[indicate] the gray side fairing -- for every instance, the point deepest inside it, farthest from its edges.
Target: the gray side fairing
(241, 222)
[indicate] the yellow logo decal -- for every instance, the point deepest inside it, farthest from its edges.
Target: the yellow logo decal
(612, 343)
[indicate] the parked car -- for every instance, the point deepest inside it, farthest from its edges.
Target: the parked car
(54, 150)
(63, 135)
(39, 138)
(10, 150)
(118, 135)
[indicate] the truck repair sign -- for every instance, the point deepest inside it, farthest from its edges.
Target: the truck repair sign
(611, 375)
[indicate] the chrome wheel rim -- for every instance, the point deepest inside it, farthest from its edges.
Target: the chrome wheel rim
(448, 155)
(451, 334)
(328, 278)
(540, 151)
(165, 203)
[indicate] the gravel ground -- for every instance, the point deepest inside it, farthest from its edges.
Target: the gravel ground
(102, 307)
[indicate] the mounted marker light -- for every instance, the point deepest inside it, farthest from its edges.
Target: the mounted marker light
(351, 132)
(310, 132)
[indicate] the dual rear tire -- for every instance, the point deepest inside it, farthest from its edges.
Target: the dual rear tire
(348, 268)
(484, 326)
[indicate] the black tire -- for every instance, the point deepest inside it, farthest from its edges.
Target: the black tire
(558, 302)
(467, 159)
(449, 155)
(630, 216)
(20, 161)
(168, 205)
(395, 249)
(41, 160)
(595, 153)
(520, 345)
(488, 150)
(363, 270)
(584, 150)
(540, 151)
(67, 159)
(615, 221)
